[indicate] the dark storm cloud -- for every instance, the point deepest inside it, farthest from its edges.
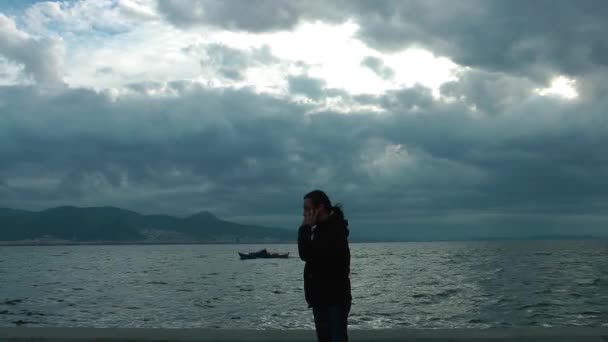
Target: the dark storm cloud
(533, 38)
(239, 153)
(490, 92)
(406, 99)
(516, 36)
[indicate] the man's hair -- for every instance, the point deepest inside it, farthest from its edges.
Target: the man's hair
(318, 198)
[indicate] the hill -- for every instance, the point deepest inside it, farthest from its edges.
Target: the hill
(111, 224)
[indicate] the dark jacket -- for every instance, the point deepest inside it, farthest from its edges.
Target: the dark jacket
(327, 256)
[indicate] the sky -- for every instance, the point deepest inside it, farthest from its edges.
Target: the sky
(425, 118)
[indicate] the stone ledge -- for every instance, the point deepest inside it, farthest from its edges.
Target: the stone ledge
(206, 335)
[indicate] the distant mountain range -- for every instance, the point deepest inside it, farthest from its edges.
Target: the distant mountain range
(102, 225)
(70, 224)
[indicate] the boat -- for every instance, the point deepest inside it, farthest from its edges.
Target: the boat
(263, 254)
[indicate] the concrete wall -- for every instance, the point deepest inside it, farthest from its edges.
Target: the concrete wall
(127, 334)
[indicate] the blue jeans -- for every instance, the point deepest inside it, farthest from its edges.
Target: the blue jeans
(331, 322)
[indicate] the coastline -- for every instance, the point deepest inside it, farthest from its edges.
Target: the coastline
(261, 242)
(132, 243)
(206, 335)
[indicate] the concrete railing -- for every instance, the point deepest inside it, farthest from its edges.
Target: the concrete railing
(204, 335)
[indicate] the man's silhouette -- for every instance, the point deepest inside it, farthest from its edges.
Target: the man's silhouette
(323, 245)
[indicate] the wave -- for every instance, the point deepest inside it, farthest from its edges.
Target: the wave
(421, 295)
(477, 321)
(441, 294)
(13, 301)
(591, 313)
(448, 292)
(536, 305)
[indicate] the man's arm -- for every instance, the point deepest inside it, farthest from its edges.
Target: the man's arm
(305, 242)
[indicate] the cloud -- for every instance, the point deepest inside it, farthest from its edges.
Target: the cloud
(137, 9)
(244, 15)
(232, 63)
(241, 153)
(406, 99)
(92, 19)
(307, 86)
(42, 59)
(489, 92)
(376, 65)
(104, 70)
(535, 39)
(184, 117)
(514, 36)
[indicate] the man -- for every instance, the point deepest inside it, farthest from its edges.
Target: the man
(323, 245)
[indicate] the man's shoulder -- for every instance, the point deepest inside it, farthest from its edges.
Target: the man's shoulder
(305, 229)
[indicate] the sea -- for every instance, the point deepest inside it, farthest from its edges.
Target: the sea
(425, 285)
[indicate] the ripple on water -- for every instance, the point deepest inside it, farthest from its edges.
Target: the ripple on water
(477, 321)
(421, 295)
(591, 313)
(543, 291)
(448, 292)
(13, 301)
(535, 305)
(22, 322)
(206, 304)
(589, 282)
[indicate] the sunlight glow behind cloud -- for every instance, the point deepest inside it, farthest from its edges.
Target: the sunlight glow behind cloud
(334, 54)
(560, 86)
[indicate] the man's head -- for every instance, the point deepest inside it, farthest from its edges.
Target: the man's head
(317, 200)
